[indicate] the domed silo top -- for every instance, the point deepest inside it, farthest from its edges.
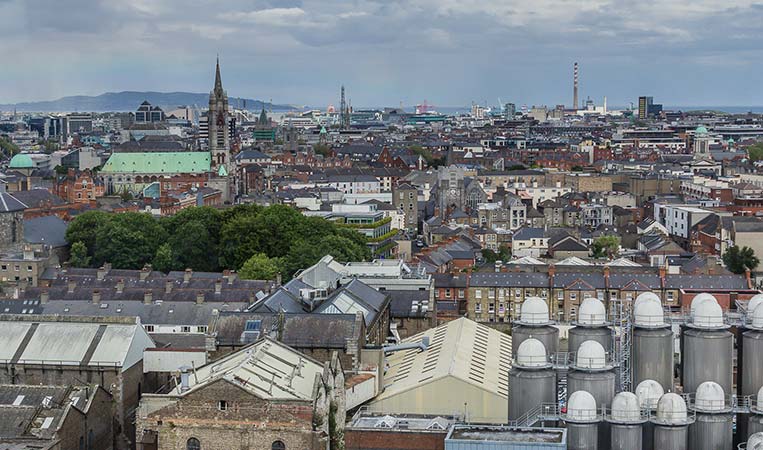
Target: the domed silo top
(756, 320)
(534, 311)
(532, 354)
(671, 409)
(753, 303)
(649, 393)
(699, 299)
(591, 355)
(757, 407)
(581, 406)
(708, 314)
(592, 312)
(649, 295)
(755, 442)
(648, 313)
(710, 397)
(625, 408)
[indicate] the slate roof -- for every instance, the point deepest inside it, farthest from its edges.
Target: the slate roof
(49, 230)
(35, 198)
(402, 303)
(9, 203)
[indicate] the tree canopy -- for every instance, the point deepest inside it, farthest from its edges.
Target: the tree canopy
(738, 259)
(258, 241)
(606, 247)
(755, 151)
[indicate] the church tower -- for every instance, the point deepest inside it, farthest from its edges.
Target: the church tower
(218, 126)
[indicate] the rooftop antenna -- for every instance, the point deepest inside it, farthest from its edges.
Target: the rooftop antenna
(575, 86)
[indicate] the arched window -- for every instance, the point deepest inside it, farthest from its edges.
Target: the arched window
(278, 445)
(193, 444)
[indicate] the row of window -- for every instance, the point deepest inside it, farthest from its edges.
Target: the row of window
(573, 296)
(183, 329)
(16, 268)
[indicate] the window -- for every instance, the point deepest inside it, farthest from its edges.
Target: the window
(193, 444)
(460, 293)
(278, 445)
(202, 329)
(478, 308)
(185, 329)
(222, 405)
(478, 293)
(447, 293)
(149, 328)
(573, 296)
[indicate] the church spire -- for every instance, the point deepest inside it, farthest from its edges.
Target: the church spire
(218, 81)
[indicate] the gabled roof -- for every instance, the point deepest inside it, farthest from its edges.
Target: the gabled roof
(573, 261)
(463, 349)
(9, 203)
(158, 162)
(267, 369)
(527, 260)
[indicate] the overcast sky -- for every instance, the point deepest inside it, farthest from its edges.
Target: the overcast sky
(449, 52)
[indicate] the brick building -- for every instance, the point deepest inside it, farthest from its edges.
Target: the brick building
(78, 187)
(265, 396)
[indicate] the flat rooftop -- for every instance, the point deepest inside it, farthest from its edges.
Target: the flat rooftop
(506, 434)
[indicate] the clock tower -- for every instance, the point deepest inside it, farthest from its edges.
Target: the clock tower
(218, 126)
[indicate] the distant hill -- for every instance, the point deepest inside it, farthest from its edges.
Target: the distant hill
(130, 100)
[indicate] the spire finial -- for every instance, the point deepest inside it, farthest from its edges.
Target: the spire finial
(218, 80)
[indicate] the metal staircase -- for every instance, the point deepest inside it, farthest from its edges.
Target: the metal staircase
(622, 333)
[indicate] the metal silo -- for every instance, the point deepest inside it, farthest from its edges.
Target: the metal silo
(750, 370)
(671, 423)
(755, 421)
(532, 380)
(708, 347)
(652, 344)
(591, 371)
(626, 422)
(534, 321)
(713, 428)
(582, 420)
(591, 325)
(649, 393)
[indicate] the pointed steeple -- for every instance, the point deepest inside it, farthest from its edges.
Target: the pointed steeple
(218, 81)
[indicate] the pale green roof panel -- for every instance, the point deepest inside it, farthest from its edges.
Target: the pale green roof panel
(158, 162)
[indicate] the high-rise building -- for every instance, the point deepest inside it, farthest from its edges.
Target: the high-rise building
(510, 110)
(217, 126)
(647, 108)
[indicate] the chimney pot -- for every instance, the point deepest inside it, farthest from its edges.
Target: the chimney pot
(148, 297)
(218, 286)
(145, 272)
(70, 286)
(120, 285)
(44, 296)
(187, 275)
(168, 286)
(199, 297)
(96, 296)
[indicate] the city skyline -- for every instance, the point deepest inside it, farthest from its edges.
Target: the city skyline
(300, 52)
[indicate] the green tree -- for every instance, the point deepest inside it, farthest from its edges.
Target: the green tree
(260, 267)
(78, 255)
(163, 259)
(194, 246)
(84, 226)
(605, 247)
(322, 149)
(238, 241)
(516, 167)
(123, 247)
(738, 259)
(755, 151)
(8, 147)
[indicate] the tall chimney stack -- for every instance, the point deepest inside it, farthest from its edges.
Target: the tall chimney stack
(575, 88)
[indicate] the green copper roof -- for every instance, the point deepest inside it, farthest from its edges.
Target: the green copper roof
(21, 161)
(158, 162)
(222, 171)
(701, 130)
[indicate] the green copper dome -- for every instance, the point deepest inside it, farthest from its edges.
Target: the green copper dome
(700, 130)
(22, 161)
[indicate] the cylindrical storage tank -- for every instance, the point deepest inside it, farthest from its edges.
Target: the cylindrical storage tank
(592, 372)
(649, 393)
(626, 422)
(652, 344)
(713, 428)
(708, 348)
(532, 380)
(582, 421)
(671, 423)
(591, 325)
(534, 321)
(752, 355)
(751, 361)
(755, 421)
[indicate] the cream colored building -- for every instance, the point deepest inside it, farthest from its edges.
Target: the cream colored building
(464, 371)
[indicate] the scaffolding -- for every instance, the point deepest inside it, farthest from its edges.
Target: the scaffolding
(622, 334)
